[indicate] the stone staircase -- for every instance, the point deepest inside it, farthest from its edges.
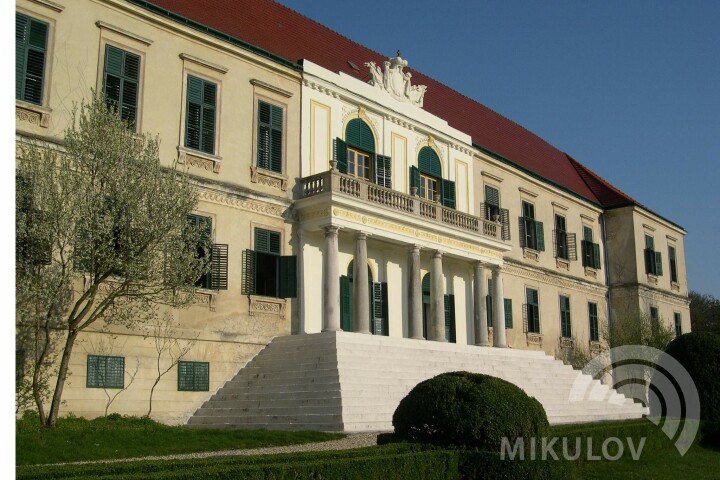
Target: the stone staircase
(339, 381)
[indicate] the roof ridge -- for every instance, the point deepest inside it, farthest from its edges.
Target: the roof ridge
(586, 172)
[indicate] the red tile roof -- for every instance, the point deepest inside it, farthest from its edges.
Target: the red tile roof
(288, 34)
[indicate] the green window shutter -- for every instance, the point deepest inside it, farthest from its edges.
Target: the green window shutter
(505, 217)
(270, 132)
(200, 115)
(414, 177)
(383, 166)
(359, 135)
(508, 313)
(678, 324)
(489, 304)
(450, 318)
(267, 241)
(30, 53)
(120, 82)
(448, 193)
(539, 236)
(377, 309)
(596, 255)
(649, 242)
(533, 314)
(340, 155)
(594, 327)
(345, 304)
(523, 231)
(492, 196)
(429, 163)
(565, 326)
(587, 234)
(385, 314)
(249, 259)
(219, 267)
(658, 264)
(673, 264)
(288, 276)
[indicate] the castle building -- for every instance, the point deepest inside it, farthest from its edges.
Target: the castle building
(346, 190)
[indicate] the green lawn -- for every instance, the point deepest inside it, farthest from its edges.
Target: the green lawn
(77, 439)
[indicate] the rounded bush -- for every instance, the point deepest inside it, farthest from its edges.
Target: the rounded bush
(470, 410)
(699, 353)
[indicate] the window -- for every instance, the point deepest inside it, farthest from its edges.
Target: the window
(489, 305)
(654, 315)
(105, 372)
(492, 211)
(532, 307)
(673, 264)
(193, 376)
(31, 37)
(265, 271)
(565, 325)
(270, 137)
(450, 318)
(427, 178)
(678, 324)
(217, 277)
(564, 242)
(200, 114)
(531, 231)
(593, 318)
(120, 83)
(19, 365)
(653, 259)
(356, 155)
(33, 233)
(590, 250)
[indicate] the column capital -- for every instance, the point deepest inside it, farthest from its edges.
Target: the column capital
(331, 229)
(437, 254)
(360, 235)
(414, 249)
(479, 264)
(497, 269)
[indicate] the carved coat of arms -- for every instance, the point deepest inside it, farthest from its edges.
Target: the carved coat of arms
(396, 82)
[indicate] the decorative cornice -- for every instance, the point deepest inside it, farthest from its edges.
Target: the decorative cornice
(553, 279)
(103, 25)
(527, 192)
(243, 204)
(203, 63)
(51, 5)
(272, 88)
(559, 206)
(491, 176)
(587, 217)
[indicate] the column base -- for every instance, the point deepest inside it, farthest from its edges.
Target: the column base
(483, 344)
(332, 330)
(417, 338)
(366, 332)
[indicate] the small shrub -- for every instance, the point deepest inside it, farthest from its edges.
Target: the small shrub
(699, 353)
(469, 410)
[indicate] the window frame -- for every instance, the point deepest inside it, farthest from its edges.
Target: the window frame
(204, 388)
(354, 153)
(101, 80)
(48, 54)
(423, 191)
(530, 308)
(286, 272)
(271, 102)
(561, 237)
(678, 323)
(96, 384)
(593, 327)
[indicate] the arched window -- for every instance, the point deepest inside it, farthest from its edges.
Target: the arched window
(356, 154)
(427, 177)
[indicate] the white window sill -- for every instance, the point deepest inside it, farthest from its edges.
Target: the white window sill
(268, 177)
(199, 159)
(33, 114)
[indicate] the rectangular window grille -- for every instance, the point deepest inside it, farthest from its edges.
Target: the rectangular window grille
(105, 371)
(120, 82)
(200, 114)
(565, 325)
(270, 137)
(193, 376)
(31, 38)
(593, 318)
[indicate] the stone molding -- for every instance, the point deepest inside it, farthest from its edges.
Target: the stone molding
(266, 177)
(248, 205)
(553, 279)
(33, 114)
(534, 339)
(194, 158)
(531, 254)
(267, 305)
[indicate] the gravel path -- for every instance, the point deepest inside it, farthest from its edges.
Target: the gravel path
(353, 440)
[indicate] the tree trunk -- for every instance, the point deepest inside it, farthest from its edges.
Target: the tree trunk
(152, 390)
(62, 375)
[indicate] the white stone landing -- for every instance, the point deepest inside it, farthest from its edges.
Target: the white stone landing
(339, 381)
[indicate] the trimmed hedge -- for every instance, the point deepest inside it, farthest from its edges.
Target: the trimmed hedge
(469, 410)
(699, 353)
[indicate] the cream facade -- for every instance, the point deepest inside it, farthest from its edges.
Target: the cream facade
(369, 196)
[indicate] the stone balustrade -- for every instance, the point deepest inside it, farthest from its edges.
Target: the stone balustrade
(333, 181)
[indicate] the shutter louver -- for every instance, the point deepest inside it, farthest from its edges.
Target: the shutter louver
(572, 246)
(450, 318)
(383, 175)
(505, 216)
(219, 267)
(21, 27)
(340, 155)
(249, 259)
(376, 308)
(508, 313)
(345, 304)
(523, 236)
(448, 193)
(276, 139)
(414, 177)
(30, 50)
(539, 236)
(194, 112)
(596, 255)
(658, 264)
(288, 276)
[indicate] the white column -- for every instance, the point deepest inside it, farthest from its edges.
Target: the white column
(480, 307)
(361, 293)
(415, 327)
(301, 284)
(436, 330)
(331, 281)
(498, 308)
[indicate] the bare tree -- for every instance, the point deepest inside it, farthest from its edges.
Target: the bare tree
(167, 344)
(102, 239)
(573, 353)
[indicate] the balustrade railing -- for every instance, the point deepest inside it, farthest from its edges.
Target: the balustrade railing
(364, 190)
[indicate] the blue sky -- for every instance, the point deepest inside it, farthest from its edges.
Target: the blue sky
(629, 88)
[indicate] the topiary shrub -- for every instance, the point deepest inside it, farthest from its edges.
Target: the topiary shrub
(470, 410)
(699, 353)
